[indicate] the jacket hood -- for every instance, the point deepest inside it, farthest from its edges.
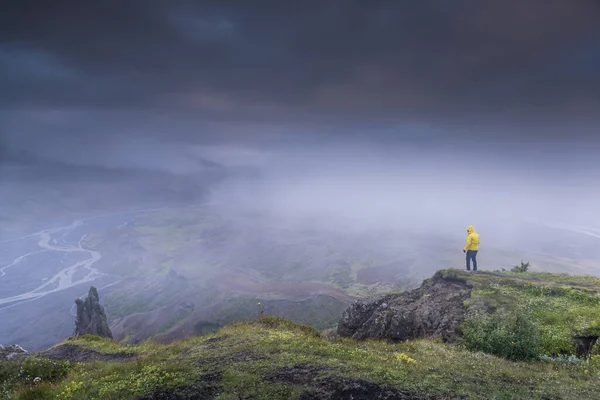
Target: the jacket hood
(470, 229)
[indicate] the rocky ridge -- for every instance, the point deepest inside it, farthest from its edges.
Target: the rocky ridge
(435, 309)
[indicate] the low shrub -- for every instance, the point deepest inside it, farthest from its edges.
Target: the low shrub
(524, 267)
(29, 373)
(510, 335)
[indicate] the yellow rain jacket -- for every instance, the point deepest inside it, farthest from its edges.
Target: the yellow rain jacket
(472, 239)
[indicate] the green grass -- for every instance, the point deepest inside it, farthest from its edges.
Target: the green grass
(559, 305)
(241, 357)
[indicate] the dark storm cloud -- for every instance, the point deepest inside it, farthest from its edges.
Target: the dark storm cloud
(408, 61)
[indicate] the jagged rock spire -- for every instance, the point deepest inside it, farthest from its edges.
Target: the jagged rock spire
(91, 319)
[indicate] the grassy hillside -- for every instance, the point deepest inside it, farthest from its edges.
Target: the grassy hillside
(557, 305)
(276, 359)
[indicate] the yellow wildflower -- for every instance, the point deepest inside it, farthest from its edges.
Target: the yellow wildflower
(405, 358)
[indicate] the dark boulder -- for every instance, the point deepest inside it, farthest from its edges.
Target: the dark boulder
(585, 345)
(91, 319)
(435, 309)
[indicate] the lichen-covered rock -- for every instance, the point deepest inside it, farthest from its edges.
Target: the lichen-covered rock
(434, 309)
(91, 319)
(356, 316)
(11, 352)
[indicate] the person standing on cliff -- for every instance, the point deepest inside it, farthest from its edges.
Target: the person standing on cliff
(471, 248)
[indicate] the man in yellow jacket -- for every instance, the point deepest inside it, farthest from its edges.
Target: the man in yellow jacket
(471, 248)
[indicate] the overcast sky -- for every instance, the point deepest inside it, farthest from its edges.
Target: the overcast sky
(505, 75)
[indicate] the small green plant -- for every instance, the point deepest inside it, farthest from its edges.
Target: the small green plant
(511, 335)
(524, 267)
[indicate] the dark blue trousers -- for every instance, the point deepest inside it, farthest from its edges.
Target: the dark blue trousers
(472, 255)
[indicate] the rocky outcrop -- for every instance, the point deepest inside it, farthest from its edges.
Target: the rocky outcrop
(434, 309)
(91, 319)
(584, 345)
(11, 352)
